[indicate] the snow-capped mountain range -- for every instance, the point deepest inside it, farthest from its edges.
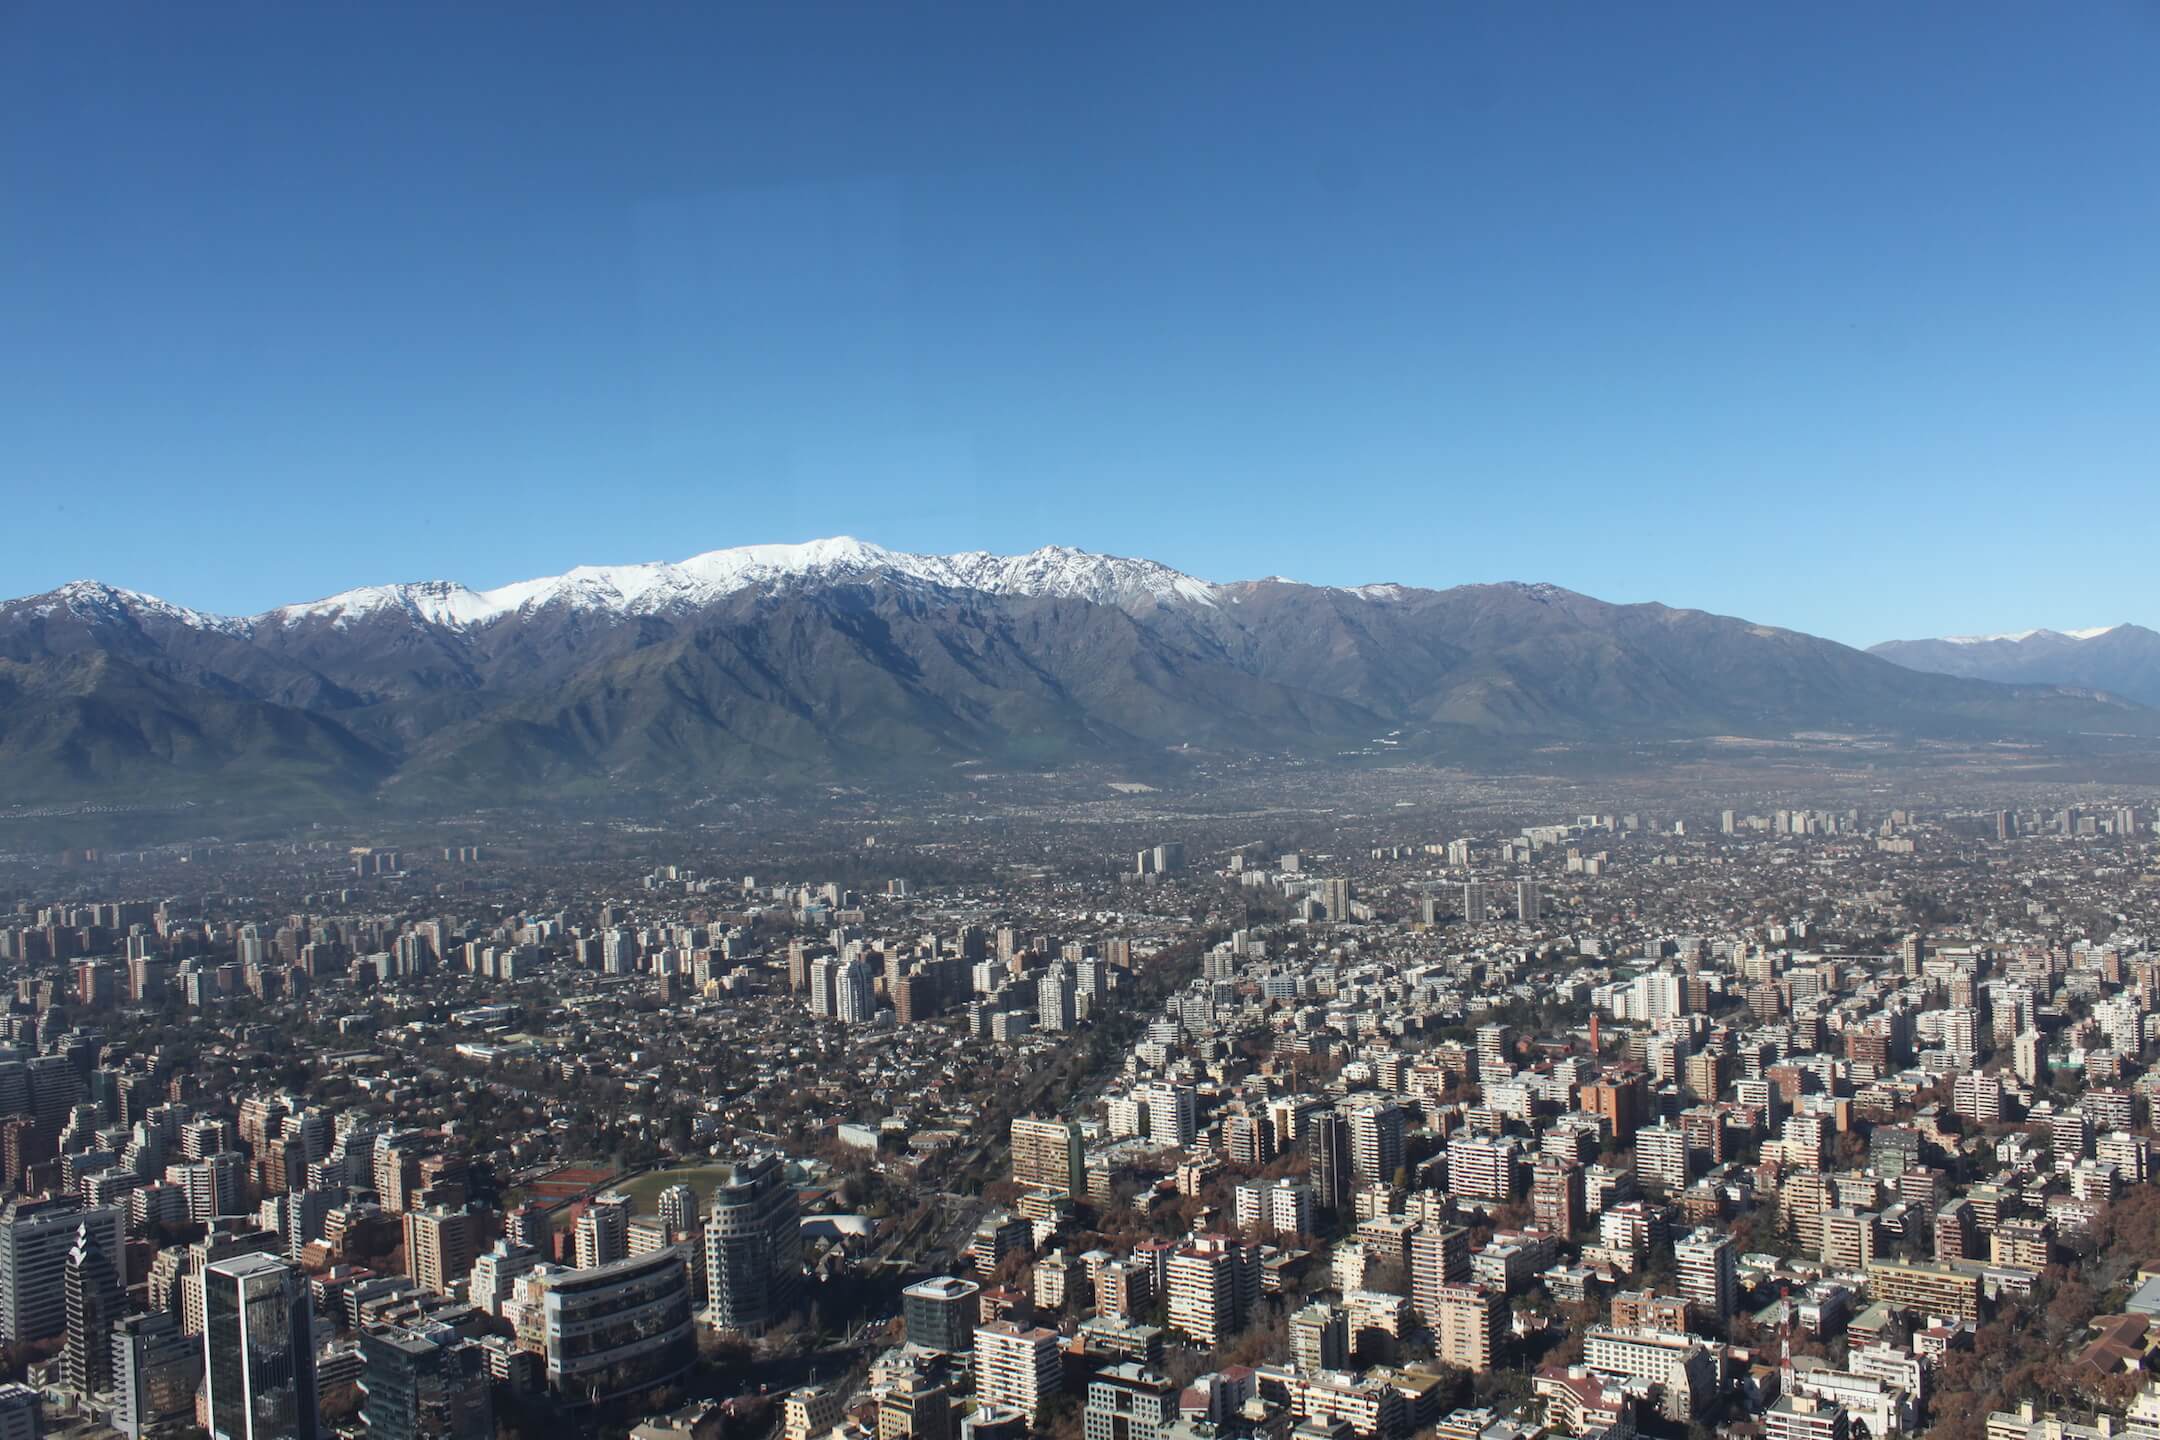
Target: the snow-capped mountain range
(842, 658)
(662, 587)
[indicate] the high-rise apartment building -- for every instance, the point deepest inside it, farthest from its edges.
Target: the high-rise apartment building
(1465, 1324)
(1622, 1101)
(1439, 1258)
(1556, 1196)
(753, 1248)
(854, 993)
(1709, 1272)
(1327, 1153)
(1047, 1154)
(157, 1367)
(1661, 1154)
(1319, 1338)
(824, 985)
(1284, 1207)
(1376, 1143)
(1173, 1113)
(1482, 1167)
(214, 1185)
(617, 1330)
(1214, 1281)
(440, 1248)
(678, 1207)
(1850, 1238)
(1017, 1366)
(36, 1235)
(1495, 1049)
(601, 1235)
(425, 1383)
(1956, 1231)
(1124, 1288)
(22, 1412)
(1057, 1002)
(495, 1271)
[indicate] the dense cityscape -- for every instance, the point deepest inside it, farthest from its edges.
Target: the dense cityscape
(862, 721)
(1403, 1106)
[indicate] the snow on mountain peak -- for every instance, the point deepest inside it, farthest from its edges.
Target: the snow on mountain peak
(96, 601)
(664, 587)
(1060, 570)
(440, 602)
(659, 587)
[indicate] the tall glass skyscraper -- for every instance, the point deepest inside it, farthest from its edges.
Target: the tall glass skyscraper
(258, 1350)
(95, 1303)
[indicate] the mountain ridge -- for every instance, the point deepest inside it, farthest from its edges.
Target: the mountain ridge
(2122, 659)
(842, 658)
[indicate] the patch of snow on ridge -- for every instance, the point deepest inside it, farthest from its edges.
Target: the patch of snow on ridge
(2012, 636)
(1542, 591)
(2018, 637)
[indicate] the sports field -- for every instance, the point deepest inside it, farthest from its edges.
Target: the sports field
(645, 1189)
(565, 1182)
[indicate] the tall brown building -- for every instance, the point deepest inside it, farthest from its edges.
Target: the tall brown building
(1956, 1232)
(440, 1246)
(1623, 1100)
(1556, 1196)
(1047, 1153)
(1465, 1322)
(1704, 1074)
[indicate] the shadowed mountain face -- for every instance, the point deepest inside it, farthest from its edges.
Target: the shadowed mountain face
(845, 661)
(2122, 659)
(94, 724)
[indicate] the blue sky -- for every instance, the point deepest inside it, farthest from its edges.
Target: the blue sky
(1840, 317)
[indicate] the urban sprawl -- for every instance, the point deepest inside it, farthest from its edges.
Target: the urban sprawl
(1095, 1121)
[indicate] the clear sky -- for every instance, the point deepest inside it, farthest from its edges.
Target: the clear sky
(1838, 316)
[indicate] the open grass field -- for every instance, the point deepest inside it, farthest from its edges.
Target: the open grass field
(645, 1189)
